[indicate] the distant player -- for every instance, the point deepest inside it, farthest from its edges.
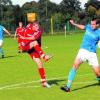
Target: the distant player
(2, 30)
(87, 51)
(32, 45)
(19, 31)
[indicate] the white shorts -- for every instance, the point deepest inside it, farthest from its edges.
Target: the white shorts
(1, 42)
(90, 57)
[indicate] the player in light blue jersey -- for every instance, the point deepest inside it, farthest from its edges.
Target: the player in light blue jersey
(87, 51)
(2, 29)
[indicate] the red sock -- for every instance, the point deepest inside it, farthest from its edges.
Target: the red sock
(39, 50)
(42, 75)
(19, 48)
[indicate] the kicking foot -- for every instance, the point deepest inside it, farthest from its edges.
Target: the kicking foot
(65, 88)
(46, 58)
(45, 84)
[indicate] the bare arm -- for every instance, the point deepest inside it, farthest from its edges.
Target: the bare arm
(15, 35)
(30, 38)
(7, 31)
(77, 25)
(27, 38)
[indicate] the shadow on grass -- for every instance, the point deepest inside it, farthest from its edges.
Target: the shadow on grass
(8, 57)
(87, 86)
(55, 81)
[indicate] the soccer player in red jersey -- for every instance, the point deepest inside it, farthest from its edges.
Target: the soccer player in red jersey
(19, 31)
(32, 46)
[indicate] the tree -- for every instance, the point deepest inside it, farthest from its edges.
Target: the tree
(43, 11)
(69, 9)
(6, 15)
(57, 21)
(46, 10)
(93, 8)
(29, 7)
(70, 6)
(3, 4)
(17, 15)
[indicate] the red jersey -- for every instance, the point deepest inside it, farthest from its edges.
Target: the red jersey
(19, 31)
(29, 26)
(37, 34)
(28, 32)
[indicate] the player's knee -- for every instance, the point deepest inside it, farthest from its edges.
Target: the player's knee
(98, 73)
(75, 66)
(34, 43)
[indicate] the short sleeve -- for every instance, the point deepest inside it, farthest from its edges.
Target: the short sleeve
(2, 27)
(86, 26)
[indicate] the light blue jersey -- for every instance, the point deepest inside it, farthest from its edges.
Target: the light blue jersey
(90, 39)
(1, 32)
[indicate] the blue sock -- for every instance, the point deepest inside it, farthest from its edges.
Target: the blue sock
(98, 78)
(1, 51)
(71, 77)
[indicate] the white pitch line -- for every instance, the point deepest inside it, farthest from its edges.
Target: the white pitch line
(18, 84)
(37, 86)
(25, 83)
(25, 87)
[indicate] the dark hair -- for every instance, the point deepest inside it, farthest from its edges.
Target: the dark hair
(35, 22)
(20, 22)
(96, 19)
(93, 19)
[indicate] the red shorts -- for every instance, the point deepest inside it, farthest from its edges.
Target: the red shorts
(33, 53)
(25, 47)
(19, 40)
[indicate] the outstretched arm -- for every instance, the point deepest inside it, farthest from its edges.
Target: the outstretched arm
(7, 31)
(77, 25)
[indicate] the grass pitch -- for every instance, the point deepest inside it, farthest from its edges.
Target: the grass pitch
(19, 78)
